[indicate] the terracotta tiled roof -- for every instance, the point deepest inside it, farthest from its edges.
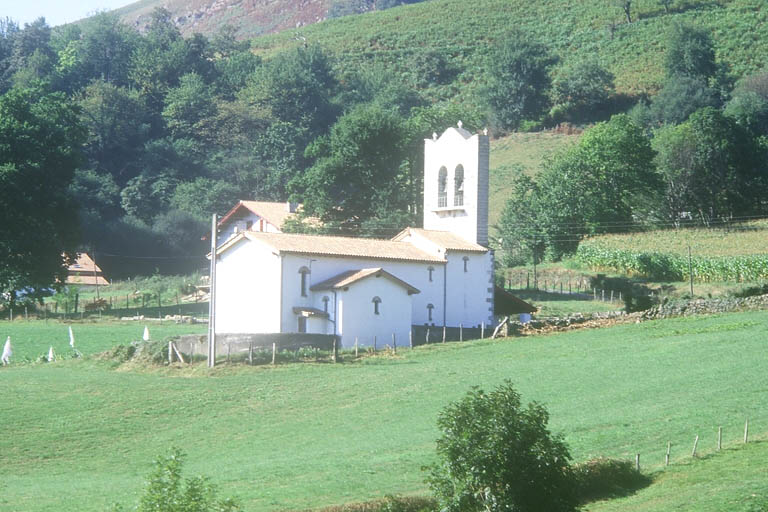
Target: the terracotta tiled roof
(352, 276)
(444, 239)
(85, 272)
(274, 213)
(336, 246)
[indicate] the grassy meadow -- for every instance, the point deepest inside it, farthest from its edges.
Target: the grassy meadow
(82, 433)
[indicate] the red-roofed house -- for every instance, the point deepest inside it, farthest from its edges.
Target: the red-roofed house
(84, 273)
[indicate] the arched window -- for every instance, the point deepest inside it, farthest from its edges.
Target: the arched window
(458, 186)
(430, 270)
(430, 307)
(376, 301)
(304, 271)
(442, 187)
(466, 260)
(325, 303)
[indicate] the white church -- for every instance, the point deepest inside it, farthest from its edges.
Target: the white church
(356, 288)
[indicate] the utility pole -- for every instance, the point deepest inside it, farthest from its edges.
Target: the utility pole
(212, 297)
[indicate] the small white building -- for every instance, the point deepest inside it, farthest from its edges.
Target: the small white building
(363, 289)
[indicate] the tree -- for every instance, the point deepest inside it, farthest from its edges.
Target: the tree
(357, 170)
(39, 151)
(711, 168)
(187, 105)
(522, 235)
(581, 89)
(666, 4)
(680, 97)
(496, 455)
(690, 52)
(518, 80)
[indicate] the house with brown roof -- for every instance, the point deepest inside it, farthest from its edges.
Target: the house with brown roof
(261, 216)
(364, 289)
(84, 273)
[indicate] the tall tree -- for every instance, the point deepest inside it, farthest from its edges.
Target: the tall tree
(518, 80)
(39, 142)
(690, 52)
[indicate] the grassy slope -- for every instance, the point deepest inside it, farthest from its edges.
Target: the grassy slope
(733, 480)
(297, 436)
(32, 339)
(464, 30)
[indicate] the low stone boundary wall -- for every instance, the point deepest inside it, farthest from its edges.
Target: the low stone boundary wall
(231, 344)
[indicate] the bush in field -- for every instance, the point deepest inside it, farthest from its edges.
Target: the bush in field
(603, 478)
(166, 492)
(496, 455)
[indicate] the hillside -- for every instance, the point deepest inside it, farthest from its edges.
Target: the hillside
(249, 17)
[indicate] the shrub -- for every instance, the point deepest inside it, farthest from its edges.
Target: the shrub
(606, 478)
(167, 492)
(751, 291)
(388, 504)
(496, 455)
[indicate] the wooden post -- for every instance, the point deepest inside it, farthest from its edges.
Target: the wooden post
(443, 334)
(212, 299)
(335, 353)
(170, 352)
(355, 346)
(611, 295)
(394, 343)
(26, 314)
(594, 293)
(695, 444)
(427, 336)
(690, 269)
(603, 294)
(561, 288)
(178, 354)
(719, 438)
(619, 296)
(637, 462)
(461, 332)
(482, 330)
(274, 352)
(669, 449)
(410, 338)
(250, 353)
(374, 343)
(228, 349)
(746, 430)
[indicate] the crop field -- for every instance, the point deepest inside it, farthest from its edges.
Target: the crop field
(82, 433)
(739, 254)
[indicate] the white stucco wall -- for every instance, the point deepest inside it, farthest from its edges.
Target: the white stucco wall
(241, 223)
(469, 292)
(469, 221)
(325, 267)
(247, 288)
(357, 316)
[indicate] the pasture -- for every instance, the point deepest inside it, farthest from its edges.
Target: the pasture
(83, 433)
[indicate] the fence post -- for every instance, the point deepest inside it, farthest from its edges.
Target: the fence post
(228, 349)
(746, 430)
(695, 444)
(410, 338)
(335, 349)
(394, 343)
(443, 334)
(669, 449)
(374, 343)
(719, 438)
(461, 332)
(250, 353)
(427, 336)
(274, 351)
(170, 352)
(594, 293)
(611, 295)
(637, 462)
(482, 330)
(355, 346)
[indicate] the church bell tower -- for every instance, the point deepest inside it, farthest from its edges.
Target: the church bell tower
(456, 184)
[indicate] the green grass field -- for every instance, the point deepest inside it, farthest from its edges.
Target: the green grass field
(82, 434)
(32, 339)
